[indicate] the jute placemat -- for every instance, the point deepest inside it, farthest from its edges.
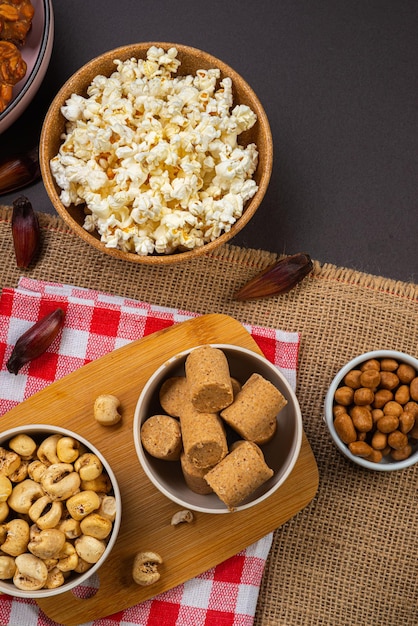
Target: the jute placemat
(350, 557)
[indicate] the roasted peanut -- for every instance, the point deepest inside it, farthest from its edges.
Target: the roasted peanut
(402, 394)
(392, 408)
(402, 453)
(360, 448)
(362, 418)
(406, 373)
(406, 422)
(413, 388)
(381, 397)
(376, 415)
(413, 433)
(344, 396)
(370, 364)
(379, 440)
(389, 365)
(352, 379)
(375, 456)
(397, 440)
(363, 396)
(388, 380)
(387, 423)
(370, 379)
(412, 407)
(338, 409)
(345, 428)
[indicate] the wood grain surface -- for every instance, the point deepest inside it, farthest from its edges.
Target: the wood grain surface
(187, 549)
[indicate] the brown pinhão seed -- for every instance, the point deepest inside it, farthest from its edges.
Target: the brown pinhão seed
(278, 278)
(36, 340)
(25, 231)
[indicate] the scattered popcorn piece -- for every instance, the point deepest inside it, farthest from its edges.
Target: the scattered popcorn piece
(155, 157)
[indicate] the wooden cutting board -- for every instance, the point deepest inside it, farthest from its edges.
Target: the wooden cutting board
(187, 549)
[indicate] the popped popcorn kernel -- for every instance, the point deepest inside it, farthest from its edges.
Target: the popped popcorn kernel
(154, 156)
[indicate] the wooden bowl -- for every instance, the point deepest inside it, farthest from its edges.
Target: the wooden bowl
(191, 60)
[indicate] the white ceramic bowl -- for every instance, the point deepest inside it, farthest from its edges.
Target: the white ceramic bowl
(387, 464)
(280, 453)
(40, 432)
(37, 54)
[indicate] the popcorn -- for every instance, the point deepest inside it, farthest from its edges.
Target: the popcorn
(155, 158)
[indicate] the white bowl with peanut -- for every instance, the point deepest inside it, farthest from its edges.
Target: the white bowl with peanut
(371, 410)
(60, 510)
(217, 428)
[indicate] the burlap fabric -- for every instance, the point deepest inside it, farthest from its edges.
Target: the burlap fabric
(350, 557)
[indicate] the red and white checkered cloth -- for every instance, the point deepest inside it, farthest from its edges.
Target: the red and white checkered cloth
(95, 324)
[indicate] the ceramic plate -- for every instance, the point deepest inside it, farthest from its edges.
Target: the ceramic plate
(37, 53)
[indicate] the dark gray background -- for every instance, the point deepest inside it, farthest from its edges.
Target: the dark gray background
(338, 80)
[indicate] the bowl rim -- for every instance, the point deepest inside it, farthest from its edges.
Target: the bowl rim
(42, 59)
(127, 51)
(389, 466)
(222, 507)
(8, 587)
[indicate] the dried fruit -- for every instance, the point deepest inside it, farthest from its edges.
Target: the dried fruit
(19, 170)
(36, 340)
(280, 277)
(25, 230)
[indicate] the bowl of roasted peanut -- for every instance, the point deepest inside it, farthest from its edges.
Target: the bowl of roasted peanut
(371, 410)
(60, 510)
(26, 41)
(217, 428)
(156, 153)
